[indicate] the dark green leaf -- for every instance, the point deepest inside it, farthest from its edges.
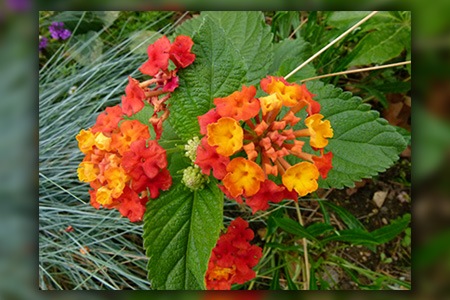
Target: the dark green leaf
(293, 227)
(318, 229)
(387, 233)
(180, 230)
(217, 71)
(387, 42)
(252, 39)
(289, 54)
(363, 143)
(353, 236)
(348, 218)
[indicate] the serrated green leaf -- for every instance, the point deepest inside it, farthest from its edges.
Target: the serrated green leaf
(289, 54)
(180, 230)
(363, 143)
(252, 39)
(217, 71)
(189, 27)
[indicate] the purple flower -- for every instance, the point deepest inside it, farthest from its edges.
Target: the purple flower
(57, 31)
(42, 43)
(19, 5)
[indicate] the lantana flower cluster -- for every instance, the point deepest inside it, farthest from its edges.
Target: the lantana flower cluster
(123, 163)
(247, 142)
(233, 257)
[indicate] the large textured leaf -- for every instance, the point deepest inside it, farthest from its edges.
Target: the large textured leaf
(180, 230)
(217, 71)
(252, 38)
(288, 54)
(363, 144)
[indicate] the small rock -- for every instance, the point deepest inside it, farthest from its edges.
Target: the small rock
(379, 198)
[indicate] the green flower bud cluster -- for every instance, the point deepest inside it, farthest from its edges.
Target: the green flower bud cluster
(191, 148)
(193, 178)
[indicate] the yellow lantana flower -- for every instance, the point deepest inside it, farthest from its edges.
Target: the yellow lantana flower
(104, 196)
(269, 103)
(301, 177)
(319, 130)
(86, 140)
(102, 142)
(243, 178)
(87, 171)
(227, 135)
(117, 178)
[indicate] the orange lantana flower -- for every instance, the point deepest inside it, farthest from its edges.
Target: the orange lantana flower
(241, 105)
(290, 93)
(243, 178)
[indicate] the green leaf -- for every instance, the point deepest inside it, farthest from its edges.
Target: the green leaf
(318, 229)
(140, 40)
(293, 227)
(387, 233)
(180, 230)
(252, 39)
(289, 54)
(189, 27)
(348, 218)
(363, 143)
(86, 48)
(383, 44)
(353, 236)
(217, 71)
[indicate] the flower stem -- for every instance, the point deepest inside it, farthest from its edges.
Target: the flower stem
(330, 44)
(358, 70)
(305, 249)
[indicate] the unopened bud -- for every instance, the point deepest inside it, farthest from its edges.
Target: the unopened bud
(193, 178)
(191, 148)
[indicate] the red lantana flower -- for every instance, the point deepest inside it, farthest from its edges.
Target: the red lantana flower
(108, 120)
(233, 257)
(158, 57)
(269, 191)
(208, 158)
(133, 101)
(180, 51)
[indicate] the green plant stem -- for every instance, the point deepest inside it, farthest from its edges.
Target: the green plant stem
(305, 249)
